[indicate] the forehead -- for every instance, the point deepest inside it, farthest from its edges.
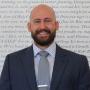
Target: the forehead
(42, 11)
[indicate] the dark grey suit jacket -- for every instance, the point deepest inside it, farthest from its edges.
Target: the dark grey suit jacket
(71, 71)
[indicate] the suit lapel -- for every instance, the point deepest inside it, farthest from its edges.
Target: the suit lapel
(28, 63)
(59, 68)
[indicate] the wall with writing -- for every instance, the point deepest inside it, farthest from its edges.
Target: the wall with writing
(73, 33)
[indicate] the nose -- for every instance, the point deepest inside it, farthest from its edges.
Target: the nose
(42, 25)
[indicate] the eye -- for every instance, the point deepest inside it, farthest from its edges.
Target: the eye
(36, 21)
(47, 20)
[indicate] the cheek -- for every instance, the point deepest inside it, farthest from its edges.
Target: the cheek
(33, 28)
(51, 26)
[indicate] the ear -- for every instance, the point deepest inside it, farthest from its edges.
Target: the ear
(57, 25)
(29, 26)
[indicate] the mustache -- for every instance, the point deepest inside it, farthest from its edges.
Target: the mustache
(43, 30)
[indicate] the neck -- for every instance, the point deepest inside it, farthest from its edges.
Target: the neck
(42, 47)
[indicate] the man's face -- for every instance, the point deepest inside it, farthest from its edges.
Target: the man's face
(43, 26)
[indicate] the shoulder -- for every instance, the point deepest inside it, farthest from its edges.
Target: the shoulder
(74, 60)
(71, 55)
(21, 52)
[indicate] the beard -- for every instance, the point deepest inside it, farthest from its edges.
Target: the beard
(44, 41)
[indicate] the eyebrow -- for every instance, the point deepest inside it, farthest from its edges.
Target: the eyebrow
(44, 19)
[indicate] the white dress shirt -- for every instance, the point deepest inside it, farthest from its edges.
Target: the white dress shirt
(51, 57)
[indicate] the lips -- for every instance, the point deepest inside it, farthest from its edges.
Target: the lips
(43, 31)
(43, 34)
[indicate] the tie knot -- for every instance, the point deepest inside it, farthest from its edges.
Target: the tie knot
(43, 53)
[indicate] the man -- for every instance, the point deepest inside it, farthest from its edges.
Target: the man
(68, 70)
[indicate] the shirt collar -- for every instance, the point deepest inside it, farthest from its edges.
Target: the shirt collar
(51, 49)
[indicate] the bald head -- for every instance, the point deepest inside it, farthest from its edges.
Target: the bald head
(43, 10)
(43, 25)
